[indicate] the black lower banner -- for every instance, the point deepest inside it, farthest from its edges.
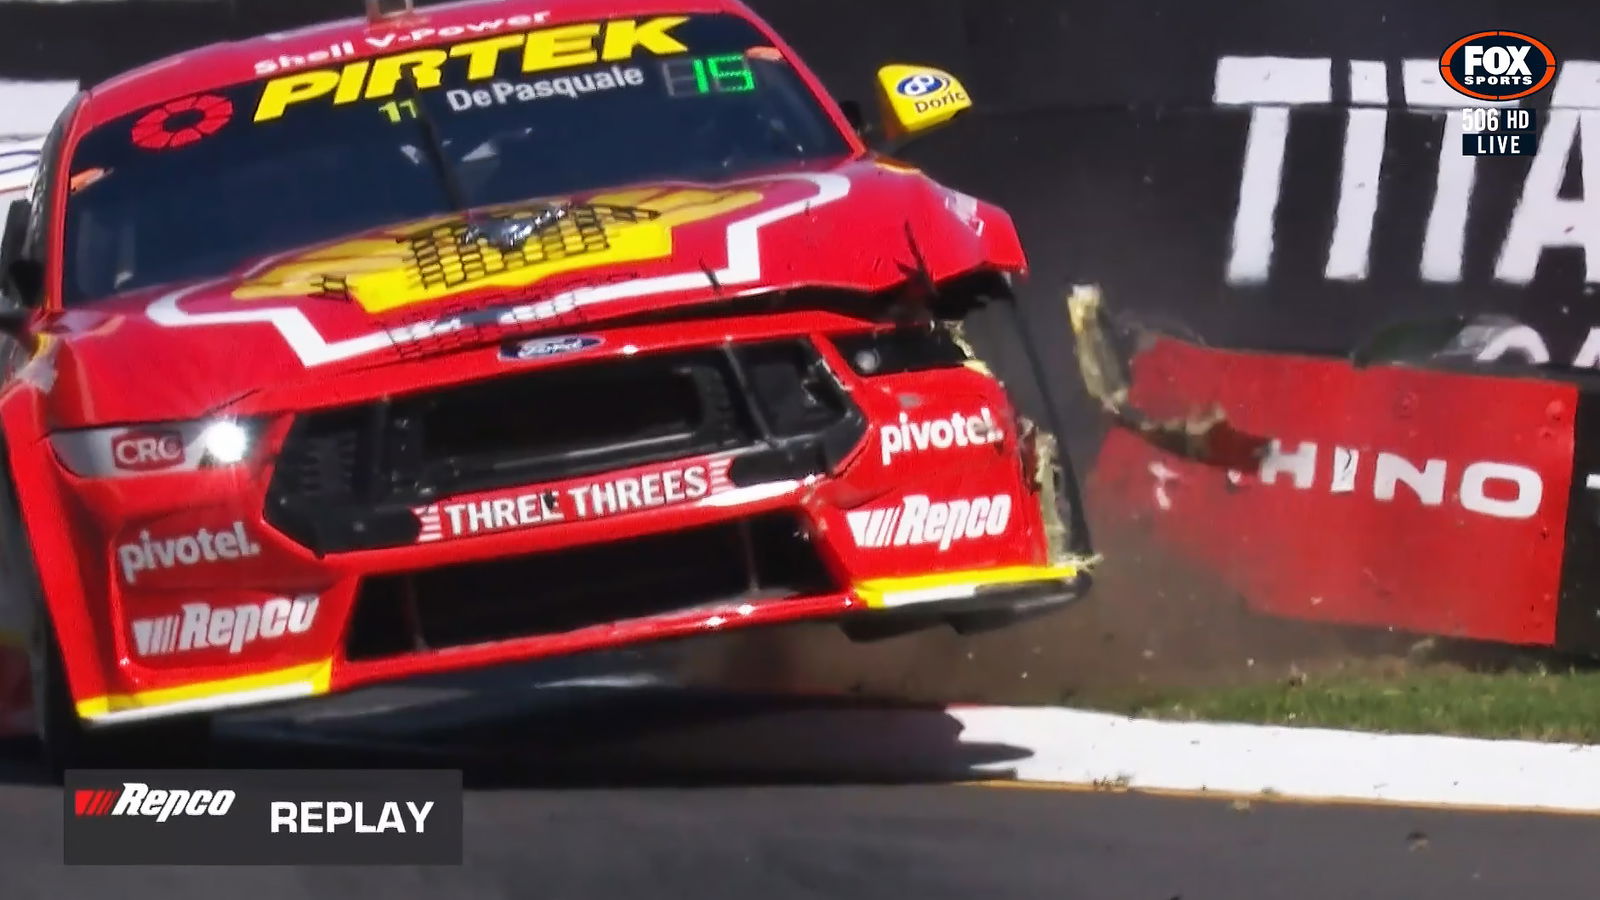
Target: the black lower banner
(263, 817)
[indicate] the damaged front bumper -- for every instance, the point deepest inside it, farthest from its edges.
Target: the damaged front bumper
(942, 506)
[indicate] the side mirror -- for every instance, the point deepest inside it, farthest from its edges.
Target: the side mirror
(20, 277)
(855, 115)
(20, 283)
(917, 99)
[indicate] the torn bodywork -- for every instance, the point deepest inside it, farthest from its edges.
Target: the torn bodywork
(1201, 432)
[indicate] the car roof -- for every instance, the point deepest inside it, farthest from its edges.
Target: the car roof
(233, 62)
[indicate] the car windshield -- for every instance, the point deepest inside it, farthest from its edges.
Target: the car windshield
(200, 185)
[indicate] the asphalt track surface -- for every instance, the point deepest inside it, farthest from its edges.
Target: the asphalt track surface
(604, 811)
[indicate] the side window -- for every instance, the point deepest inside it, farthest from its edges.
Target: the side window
(42, 195)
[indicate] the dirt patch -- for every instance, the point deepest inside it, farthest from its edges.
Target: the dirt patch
(1150, 623)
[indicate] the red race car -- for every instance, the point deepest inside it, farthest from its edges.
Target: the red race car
(440, 339)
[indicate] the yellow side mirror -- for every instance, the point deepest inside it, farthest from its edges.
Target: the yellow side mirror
(918, 98)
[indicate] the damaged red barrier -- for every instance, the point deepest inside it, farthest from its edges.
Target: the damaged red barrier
(1405, 496)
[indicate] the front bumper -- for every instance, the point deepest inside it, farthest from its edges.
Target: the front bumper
(968, 601)
(920, 526)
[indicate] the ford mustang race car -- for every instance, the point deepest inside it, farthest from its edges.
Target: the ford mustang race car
(442, 339)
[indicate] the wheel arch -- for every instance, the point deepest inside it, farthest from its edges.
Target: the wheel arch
(43, 588)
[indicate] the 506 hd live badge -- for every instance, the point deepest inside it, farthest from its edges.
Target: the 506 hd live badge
(1497, 131)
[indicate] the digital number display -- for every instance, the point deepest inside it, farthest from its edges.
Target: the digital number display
(702, 75)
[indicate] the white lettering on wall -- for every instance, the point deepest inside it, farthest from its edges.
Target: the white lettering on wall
(1499, 490)
(1475, 494)
(1517, 342)
(1543, 218)
(1301, 464)
(1427, 483)
(1351, 248)
(1270, 86)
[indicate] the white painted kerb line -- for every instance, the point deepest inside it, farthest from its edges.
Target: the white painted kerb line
(1080, 747)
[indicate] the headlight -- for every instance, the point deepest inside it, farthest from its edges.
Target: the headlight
(225, 442)
(127, 450)
(900, 350)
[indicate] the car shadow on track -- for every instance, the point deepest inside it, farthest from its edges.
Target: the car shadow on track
(606, 734)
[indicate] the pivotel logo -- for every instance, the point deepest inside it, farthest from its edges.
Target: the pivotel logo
(918, 521)
(186, 550)
(1498, 65)
(958, 430)
(201, 626)
(138, 800)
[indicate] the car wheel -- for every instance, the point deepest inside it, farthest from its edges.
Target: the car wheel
(874, 627)
(66, 742)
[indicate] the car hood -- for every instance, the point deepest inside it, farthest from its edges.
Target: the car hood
(390, 295)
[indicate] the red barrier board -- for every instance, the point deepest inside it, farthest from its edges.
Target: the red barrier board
(1424, 500)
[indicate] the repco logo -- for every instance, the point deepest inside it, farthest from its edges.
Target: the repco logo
(138, 800)
(202, 626)
(918, 522)
(1497, 65)
(1496, 489)
(147, 451)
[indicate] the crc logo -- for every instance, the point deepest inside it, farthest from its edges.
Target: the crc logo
(138, 800)
(921, 84)
(147, 451)
(1498, 65)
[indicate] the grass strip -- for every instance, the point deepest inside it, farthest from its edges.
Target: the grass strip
(1535, 704)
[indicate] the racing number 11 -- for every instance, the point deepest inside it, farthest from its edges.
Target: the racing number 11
(400, 110)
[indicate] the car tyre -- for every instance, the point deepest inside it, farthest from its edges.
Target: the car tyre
(65, 740)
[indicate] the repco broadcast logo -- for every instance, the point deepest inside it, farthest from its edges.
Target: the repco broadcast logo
(262, 817)
(136, 799)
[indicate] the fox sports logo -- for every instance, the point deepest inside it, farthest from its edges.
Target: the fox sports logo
(921, 84)
(1498, 65)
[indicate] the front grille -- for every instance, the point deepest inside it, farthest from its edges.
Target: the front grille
(324, 463)
(347, 478)
(759, 560)
(568, 422)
